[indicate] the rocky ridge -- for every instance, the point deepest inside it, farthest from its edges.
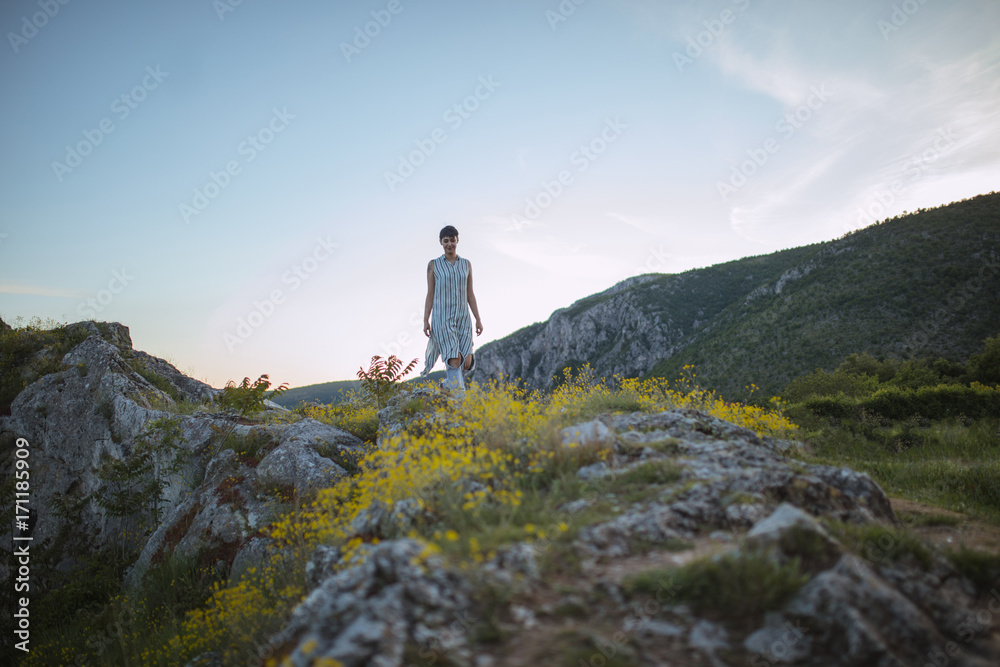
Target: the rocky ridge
(725, 493)
(101, 405)
(736, 493)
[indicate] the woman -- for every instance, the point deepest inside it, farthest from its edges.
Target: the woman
(449, 297)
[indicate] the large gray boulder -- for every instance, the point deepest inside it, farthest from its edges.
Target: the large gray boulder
(368, 614)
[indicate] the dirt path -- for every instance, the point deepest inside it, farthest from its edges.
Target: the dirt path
(945, 528)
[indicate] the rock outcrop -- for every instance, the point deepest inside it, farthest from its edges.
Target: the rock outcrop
(104, 403)
(734, 493)
(671, 488)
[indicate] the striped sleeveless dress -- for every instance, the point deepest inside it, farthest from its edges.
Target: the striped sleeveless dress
(451, 324)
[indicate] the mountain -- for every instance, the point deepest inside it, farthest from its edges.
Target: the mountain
(923, 284)
(325, 392)
(336, 391)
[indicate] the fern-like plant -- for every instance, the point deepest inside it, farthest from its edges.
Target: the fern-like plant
(379, 382)
(132, 487)
(246, 398)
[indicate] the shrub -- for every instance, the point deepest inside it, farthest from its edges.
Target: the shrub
(823, 383)
(246, 398)
(985, 367)
(381, 381)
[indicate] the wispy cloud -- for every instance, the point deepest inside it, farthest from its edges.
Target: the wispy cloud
(922, 106)
(39, 290)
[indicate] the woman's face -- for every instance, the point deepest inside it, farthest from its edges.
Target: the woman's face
(449, 243)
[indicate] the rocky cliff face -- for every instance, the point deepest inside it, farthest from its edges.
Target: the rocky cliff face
(103, 403)
(610, 330)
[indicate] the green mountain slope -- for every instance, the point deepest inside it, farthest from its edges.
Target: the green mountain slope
(325, 392)
(922, 284)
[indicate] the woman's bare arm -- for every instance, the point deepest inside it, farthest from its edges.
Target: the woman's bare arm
(471, 298)
(429, 301)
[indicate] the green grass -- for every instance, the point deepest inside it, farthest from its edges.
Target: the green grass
(642, 483)
(982, 568)
(655, 472)
(738, 588)
(948, 463)
(880, 544)
(961, 487)
(155, 379)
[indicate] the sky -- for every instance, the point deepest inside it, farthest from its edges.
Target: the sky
(257, 187)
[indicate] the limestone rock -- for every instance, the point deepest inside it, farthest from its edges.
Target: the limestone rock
(365, 615)
(593, 432)
(722, 462)
(785, 518)
(296, 463)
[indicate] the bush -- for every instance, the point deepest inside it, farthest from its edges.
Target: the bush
(822, 383)
(246, 398)
(985, 367)
(381, 381)
(29, 352)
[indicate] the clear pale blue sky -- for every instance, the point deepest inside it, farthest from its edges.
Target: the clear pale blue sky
(714, 130)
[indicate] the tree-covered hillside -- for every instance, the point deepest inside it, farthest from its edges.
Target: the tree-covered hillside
(920, 284)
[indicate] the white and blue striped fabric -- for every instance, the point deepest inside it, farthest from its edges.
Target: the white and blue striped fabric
(451, 324)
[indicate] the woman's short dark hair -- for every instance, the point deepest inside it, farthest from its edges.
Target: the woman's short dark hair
(448, 231)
